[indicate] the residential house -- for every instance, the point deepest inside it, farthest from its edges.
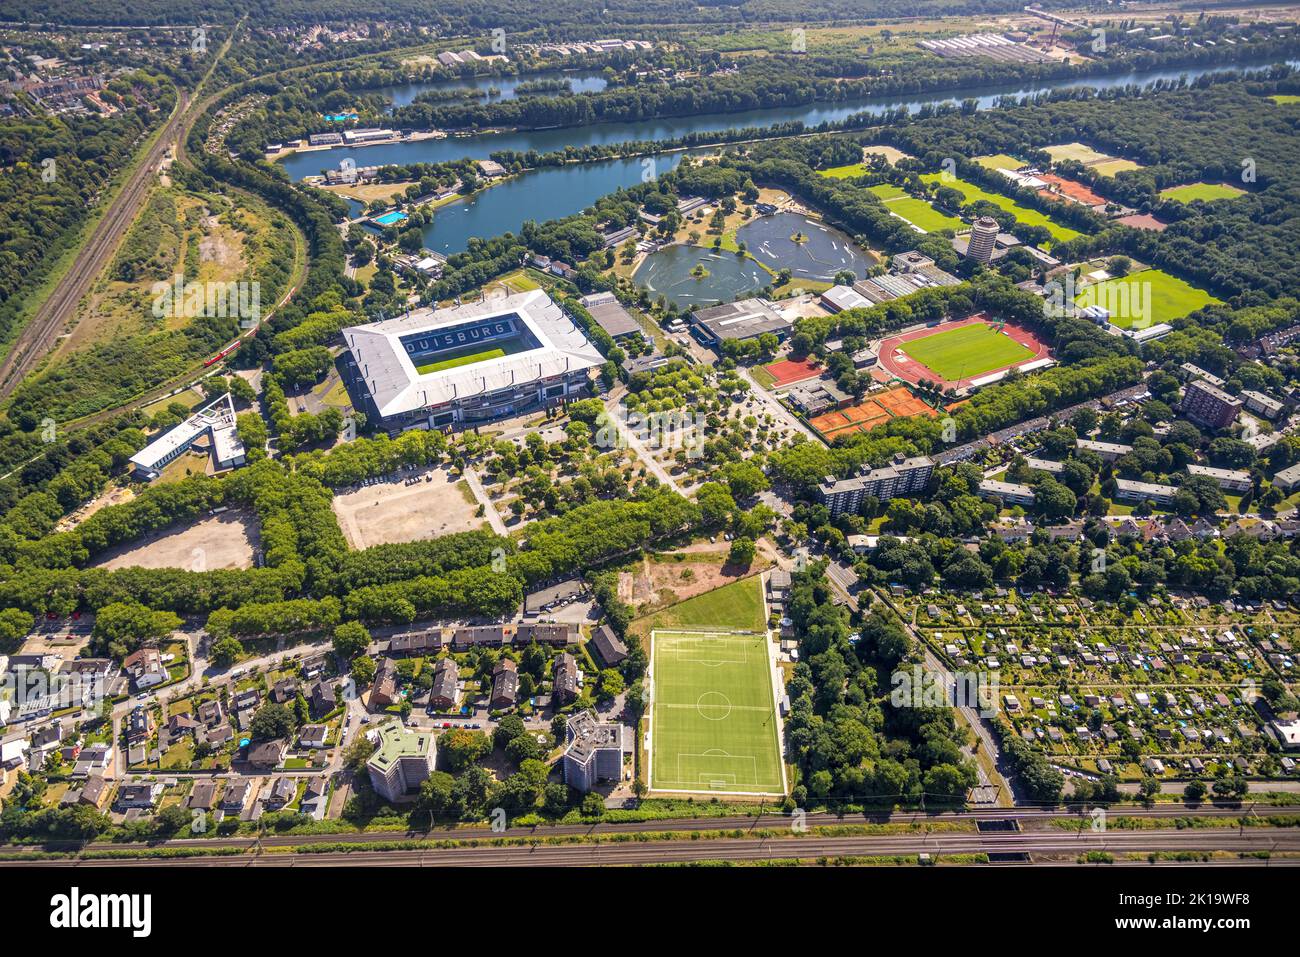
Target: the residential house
(610, 648)
(564, 685)
(145, 667)
(505, 685)
(444, 695)
(267, 754)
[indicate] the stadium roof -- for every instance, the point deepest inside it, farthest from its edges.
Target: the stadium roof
(396, 387)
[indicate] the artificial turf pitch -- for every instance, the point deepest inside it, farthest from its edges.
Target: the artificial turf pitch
(713, 722)
(966, 352)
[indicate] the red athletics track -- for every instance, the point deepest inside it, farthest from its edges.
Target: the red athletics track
(909, 370)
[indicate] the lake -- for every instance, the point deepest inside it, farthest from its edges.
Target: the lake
(668, 273)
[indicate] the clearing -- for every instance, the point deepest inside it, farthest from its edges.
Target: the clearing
(432, 504)
(219, 541)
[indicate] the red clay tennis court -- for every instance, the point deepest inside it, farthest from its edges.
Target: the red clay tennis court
(1075, 191)
(869, 413)
(789, 371)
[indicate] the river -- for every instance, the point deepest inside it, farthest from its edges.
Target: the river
(560, 191)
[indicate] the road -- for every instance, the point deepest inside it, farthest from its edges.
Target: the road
(1065, 846)
(59, 309)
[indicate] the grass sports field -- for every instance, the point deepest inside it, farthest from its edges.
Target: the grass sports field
(967, 351)
(1030, 217)
(1206, 191)
(844, 172)
(461, 359)
(1163, 298)
(468, 355)
(999, 161)
(1285, 99)
(916, 211)
(713, 722)
(1073, 151)
(1111, 167)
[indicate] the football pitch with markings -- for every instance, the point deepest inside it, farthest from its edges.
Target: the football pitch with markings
(713, 722)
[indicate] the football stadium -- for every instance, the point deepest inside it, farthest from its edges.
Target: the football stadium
(447, 368)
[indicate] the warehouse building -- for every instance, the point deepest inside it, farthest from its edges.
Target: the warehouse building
(738, 321)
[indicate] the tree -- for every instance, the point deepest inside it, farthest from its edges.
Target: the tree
(363, 670)
(610, 685)
(1195, 791)
(226, 651)
(742, 552)
(463, 747)
(273, 721)
(350, 639)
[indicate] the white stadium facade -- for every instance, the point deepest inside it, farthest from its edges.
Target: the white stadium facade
(462, 366)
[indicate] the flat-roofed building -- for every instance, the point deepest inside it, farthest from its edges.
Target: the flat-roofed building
(594, 751)
(1288, 478)
(1230, 480)
(903, 476)
(1050, 466)
(1208, 405)
(1108, 451)
(839, 298)
(1261, 404)
(403, 760)
(1128, 490)
(738, 321)
(1196, 372)
(610, 315)
(1009, 493)
(214, 422)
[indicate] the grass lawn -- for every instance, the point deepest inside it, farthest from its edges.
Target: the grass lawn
(738, 606)
(1030, 217)
(760, 375)
(1205, 191)
(713, 723)
(999, 161)
(1073, 151)
(969, 351)
(1164, 299)
(916, 211)
(1111, 167)
(1285, 99)
(844, 172)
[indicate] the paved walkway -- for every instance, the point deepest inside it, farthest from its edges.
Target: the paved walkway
(490, 510)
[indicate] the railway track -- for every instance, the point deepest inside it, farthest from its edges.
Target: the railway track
(39, 335)
(1064, 847)
(771, 822)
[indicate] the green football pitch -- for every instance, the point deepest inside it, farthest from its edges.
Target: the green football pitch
(1145, 298)
(967, 351)
(713, 721)
(475, 352)
(1208, 192)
